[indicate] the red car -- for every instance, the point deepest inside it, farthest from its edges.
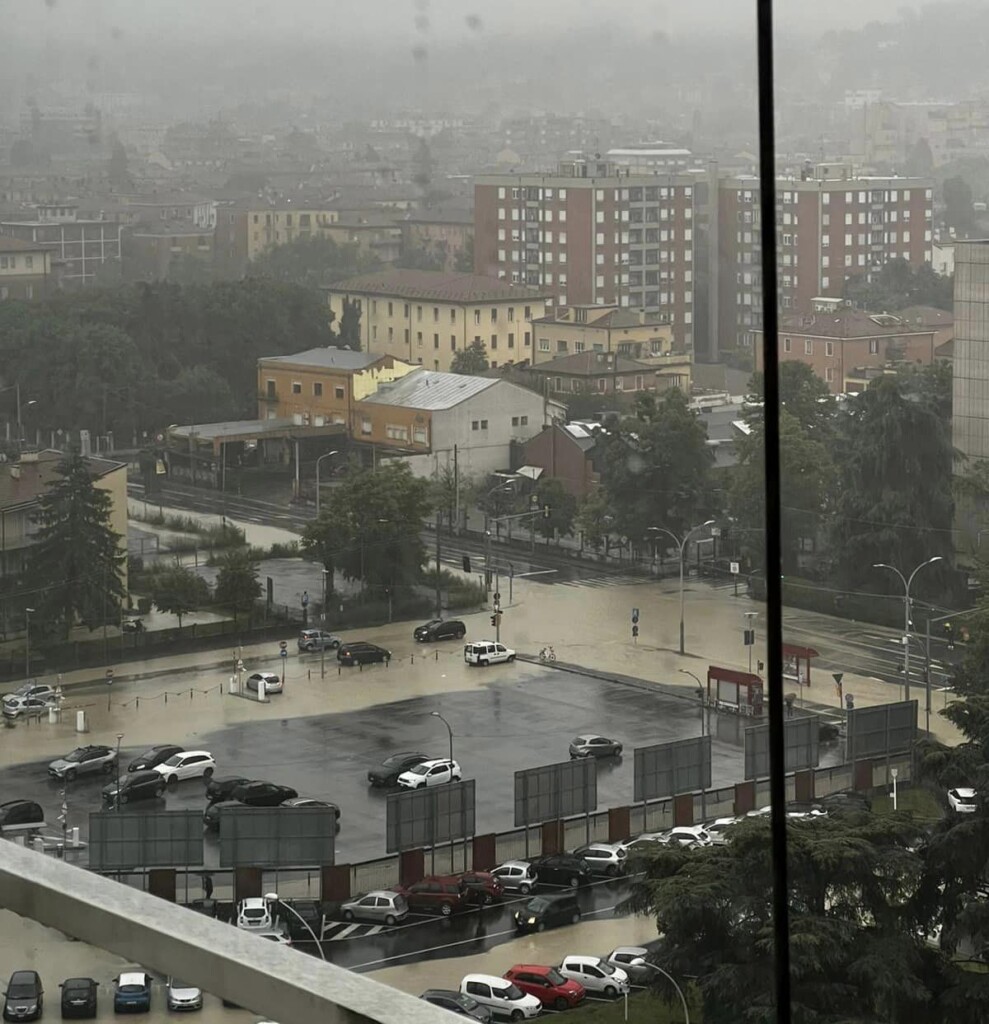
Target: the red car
(547, 985)
(436, 892)
(481, 886)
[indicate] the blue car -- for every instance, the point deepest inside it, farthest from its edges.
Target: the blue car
(132, 993)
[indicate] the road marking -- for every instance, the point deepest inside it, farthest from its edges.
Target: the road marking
(346, 931)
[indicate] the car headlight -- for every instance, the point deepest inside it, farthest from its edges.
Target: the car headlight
(532, 920)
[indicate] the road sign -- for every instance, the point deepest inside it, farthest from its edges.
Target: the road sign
(635, 616)
(734, 566)
(635, 631)
(283, 653)
(109, 676)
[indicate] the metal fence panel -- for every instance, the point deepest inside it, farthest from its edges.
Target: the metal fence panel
(275, 836)
(880, 730)
(555, 791)
(128, 839)
(427, 817)
(666, 769)
(801, 737)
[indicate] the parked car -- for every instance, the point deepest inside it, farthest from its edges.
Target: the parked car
(387, 773)
(561, 869)
(457, 1002)
(254, 914)
(633, 960)
(182, 996)
(308, 801)
(190, 764)
(220, 789)
(379, 905)
(962, 800)
(487, 652)
(25, 996)
(440, 629)
(603, 858)
(44, 691)
(595, 974)
(317, 640)
(592, 745)
(644, 843)
(311, 912)
(211, 816)
(360, 652)
(688, 835)
(262, 794)
(430, 773)
(718, 830)
(154, 756)
(132, 992)
(517, 875)
(482, 886)
(542, 912)
(146, 785)
(547, 985)
(84, 761)
(502, 997)
(79, 997)
(272, 682)
(15, 707)
(21, 816)
(442, 893)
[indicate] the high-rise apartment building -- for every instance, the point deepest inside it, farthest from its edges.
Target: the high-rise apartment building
(595, 233)
(830, 226)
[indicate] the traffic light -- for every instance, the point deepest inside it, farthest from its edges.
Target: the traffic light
(494, 620)
(949, 635)
(749, 637)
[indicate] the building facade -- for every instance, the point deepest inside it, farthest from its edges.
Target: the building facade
(268, 225)
(605, 373)
(593, 233)
(427, 316)
(565, 452)
(25, 270)
(153, 251)
(445, 233)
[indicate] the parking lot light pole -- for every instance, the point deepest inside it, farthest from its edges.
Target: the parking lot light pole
(318, 461)
(27, 644)
(120, 736)
(273, 897)
(906, 581)
(681, 548)
(672, 981)
(700, 695)
(436, 714)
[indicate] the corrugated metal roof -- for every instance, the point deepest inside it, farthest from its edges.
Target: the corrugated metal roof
(430, 389)
(339, 358)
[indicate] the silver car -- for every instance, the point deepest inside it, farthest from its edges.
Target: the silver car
(517, 875)
(84, 761)
(603, 858)
(184, 997)
(381, 905)
(633, 961)
(593, 745)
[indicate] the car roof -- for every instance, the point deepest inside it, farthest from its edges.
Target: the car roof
(581, 958)
(637, 950)
(534, 968)
(488, 979)
(25, 975)
(449, 992)
(589, 736)
(132, 978)
(79, 982)
(434, 761)
(253, 901)
(189, 753)
(514, 864)
(964, 791)
(608, 847)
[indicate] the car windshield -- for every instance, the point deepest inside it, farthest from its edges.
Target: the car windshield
(607, 968)
(174, 983)
(22, 990)
(76, 754)
(174, 760)
(147, 755)
(420, 769)
(131, 990)
(579, 741)
(254, 912)
(537, 906)
(554, 977)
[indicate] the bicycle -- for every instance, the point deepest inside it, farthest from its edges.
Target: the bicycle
(547, 654)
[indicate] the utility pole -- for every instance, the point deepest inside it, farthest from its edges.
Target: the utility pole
(456, 487)
(439, 602)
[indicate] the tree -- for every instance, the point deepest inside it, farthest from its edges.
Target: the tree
(893, 487)
(471, 360)
(802, 393)
(312, 262)
(116, 171)
(594, 518)
(422, 257)
(656, 466)
(562, 507)
(896, 286)
(857, 934)
(452, 489)
(349, 332)
(920, 159)
(959, 211)
(77, 562)
(178, 590)
(463, 260)
(370, 527)
(238, 585)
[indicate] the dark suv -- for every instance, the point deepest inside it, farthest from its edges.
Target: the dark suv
(561, 869)
(79, 997)
(25, 996)
(444, 893)
(543, 912)
(440, 629)
(146, 785)
(359, 652)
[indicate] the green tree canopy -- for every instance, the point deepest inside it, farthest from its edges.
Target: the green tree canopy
(312, 262)
(562, 509)
(349, 332)
(593, 518)
(802, 393)
(896, 286)
(470, 360)
(238, 585)
(76, 564)
(178, 590)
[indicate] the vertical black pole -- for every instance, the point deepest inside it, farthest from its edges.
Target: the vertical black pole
(774, 594)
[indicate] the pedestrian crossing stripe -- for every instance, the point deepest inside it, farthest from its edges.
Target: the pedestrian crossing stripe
(335, 931)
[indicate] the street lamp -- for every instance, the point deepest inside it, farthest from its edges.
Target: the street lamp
(906, 581)
(318, 461)
(27, 643)
(700, 695)
(671, 980)
(16, 388)
(436, 714)
(273, 897)
(681, 547)
(120, 736)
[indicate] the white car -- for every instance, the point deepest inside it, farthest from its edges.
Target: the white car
(644, 842)
(430, 773)
(595, 974)
(689, 835)
(274, 936)
(962, 801)
(717, 830)
(254, 914)
(603, 858)
(190, 764)
(517, 875)
(15, 705)
(487, 652)
(501, 996)
(272, 682)
(184, 997)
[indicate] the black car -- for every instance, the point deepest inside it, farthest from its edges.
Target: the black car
(542, 912)
(387, 773)
(211, 816)
(561, 869)
(20, 815)
(311, 912)
(457, 1002)
(25, 996)
(221, 789)
(154, 756)
(308, 801)
(79, 997)
(144, 785)
(359, 652)
(440, 629)
(262, 794)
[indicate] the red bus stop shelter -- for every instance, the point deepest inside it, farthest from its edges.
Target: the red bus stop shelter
(796, 663)
(739, 692)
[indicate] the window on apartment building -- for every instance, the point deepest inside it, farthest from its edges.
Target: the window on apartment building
(296, 387)
(338, 392)
(419, 338)
(436, 341)
(391, 309)
(523, 421)
(561, 346)
(477, 316)
(484, 424)
(786, 344)
(494, 341)
(391, 333)
(578, 346)
(419, 435)
(829, 348)
(366, 426)
(527, 340)
(511, 314)
(511, 341)
(374, 332)
(544, 344)
(269, 388)
(453, 316)
(317, 389)
(374, 307)
(515, 421)
(602, 384)
(873, 346)
(494, 315)
(29, 262)
(394, 432)
(406, 311)
(453, 343)
(418, 313)
(829, 374)
(808, 347)
(436, 314)
(475, 424)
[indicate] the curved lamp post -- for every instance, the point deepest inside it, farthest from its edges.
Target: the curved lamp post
(274, 898)
(681, 547)
(906, 581)
(436, 714)
(318, 461)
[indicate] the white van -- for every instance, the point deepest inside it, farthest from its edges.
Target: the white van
(487, 652)
(501, 996)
